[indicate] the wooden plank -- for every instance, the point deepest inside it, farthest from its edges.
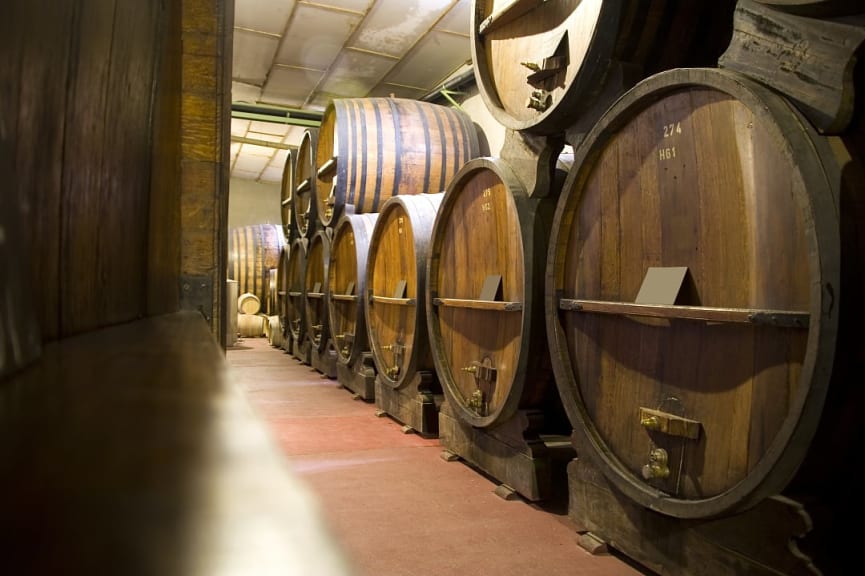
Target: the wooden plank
(808, 60)
(395, 301)
(106, 445)
(784, 318)
(479, 304)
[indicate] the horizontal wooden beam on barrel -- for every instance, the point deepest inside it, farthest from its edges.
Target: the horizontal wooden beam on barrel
(327, 168)
(303, 187)
(781, 318)
(344, 297)
(479, 304)
(507, 14)
(395, 301)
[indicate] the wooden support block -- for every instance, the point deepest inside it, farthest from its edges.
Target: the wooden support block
(449, 456)
(380, 413)
(592, 544)
(406, 429)
(505, 492)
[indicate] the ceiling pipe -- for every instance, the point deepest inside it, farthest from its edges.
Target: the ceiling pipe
(450, 86)
(263, 113)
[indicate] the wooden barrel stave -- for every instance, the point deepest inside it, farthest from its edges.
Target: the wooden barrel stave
(398, 253)
(706, 170)
(386, 147)
(346, 307)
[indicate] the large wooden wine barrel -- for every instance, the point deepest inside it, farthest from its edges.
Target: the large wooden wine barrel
(282, 282)
(252, 252)
(540, 65)
(693, 285)
(295, 304)
(347, 282)
(315, 287)
(305, 208)
(396, 287)
(286, 201)
(231, 297)
(370, 149)
(485, 309)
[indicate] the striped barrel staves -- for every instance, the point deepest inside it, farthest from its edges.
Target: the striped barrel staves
(371, 149)
(252, 252)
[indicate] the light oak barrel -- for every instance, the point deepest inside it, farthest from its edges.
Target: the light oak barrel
(250, 325)
(305, 209)
(346, 285)
(316, 289)
(252, 252)
(396, 288)
(248, 303)
(370, 149)
(707, 170)
(231, 297)
(286, 198)
(272, 282)
(488, 227)
(295, 304)
(584, 48)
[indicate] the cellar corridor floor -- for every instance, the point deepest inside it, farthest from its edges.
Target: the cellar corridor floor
(392, 504)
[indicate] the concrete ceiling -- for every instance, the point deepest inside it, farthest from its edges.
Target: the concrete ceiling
(301, 54)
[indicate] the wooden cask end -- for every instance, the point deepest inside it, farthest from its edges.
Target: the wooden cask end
(315, 289)
(396, 287)
(346, 283)
(693, 277)
(539, 66)
(370, 149)
(484, 296)
(252, 252)
(248, 303)
(305, 207)
(286, 199)
(295, 304)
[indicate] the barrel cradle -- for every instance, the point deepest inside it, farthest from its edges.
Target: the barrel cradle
(406, 384)
(318, 334)
(305, 184)
(543, 66)
(370, 149)
(693, 300)
(346, 304)
(485, 317)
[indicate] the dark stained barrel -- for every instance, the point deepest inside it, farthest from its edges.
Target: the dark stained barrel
(282, 283)
(396, 287)
(485, 285)
(286, 201)
(295, 310)
(370, 149)
(305, 212)
(540, 65)
(252, 252)
(315, 287)
(347, 281)
(692, 296)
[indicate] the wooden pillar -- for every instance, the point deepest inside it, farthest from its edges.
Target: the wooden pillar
(206, 37)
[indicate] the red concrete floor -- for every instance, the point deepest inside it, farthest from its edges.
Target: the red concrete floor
(393, 505)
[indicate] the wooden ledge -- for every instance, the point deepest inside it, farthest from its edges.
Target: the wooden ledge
(128, 450)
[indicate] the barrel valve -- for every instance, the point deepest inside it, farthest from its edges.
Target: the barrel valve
(650, 423)
(539, 100)
(657, 466)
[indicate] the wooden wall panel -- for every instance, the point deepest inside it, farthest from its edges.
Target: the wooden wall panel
(164, 231)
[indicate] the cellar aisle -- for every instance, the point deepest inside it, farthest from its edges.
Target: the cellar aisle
(394, 506)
